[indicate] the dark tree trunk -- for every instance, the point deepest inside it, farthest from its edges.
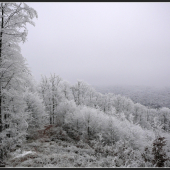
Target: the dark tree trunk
(53, 109)
(88, 129)
(1, 126)
(2, 20)
(78, 97)
(77, 125)
(50, 112)
(164, 122)
(53, 98)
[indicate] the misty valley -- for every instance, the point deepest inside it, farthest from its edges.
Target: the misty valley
(53, 123)
(149, 96)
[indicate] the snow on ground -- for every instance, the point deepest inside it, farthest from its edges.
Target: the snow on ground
(24, 153)
(54, 154)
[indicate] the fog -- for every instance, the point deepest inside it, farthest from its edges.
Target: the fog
(101, 43)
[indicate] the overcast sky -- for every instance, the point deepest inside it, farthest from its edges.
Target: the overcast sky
(101, 43)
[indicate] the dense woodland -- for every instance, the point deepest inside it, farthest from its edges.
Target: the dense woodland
(154, 97)
(52, 123)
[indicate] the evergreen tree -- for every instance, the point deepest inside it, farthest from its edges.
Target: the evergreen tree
(159, 154)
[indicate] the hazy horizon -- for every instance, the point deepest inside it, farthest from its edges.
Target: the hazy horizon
(101, 43)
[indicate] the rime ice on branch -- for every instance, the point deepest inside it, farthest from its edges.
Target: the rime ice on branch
(13, 20)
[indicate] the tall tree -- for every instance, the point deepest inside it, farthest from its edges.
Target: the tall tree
(13, 20)
(79, 91)
(51, 91)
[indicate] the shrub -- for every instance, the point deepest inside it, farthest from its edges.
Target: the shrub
(160, 156)
(155, 156)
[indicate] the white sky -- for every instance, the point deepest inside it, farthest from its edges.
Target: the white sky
(101, 43)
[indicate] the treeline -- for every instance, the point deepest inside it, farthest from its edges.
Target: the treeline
(102, 120)
(148, 96)
(111, 119)
(55, 91)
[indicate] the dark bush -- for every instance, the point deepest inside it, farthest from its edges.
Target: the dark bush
(155, 156)
(160, 156)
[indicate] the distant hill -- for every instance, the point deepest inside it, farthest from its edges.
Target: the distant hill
(148, 96)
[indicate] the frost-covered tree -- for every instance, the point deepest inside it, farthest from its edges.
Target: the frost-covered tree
(137, 112)
(34, 109)
(56, 95)
(62, 110)
(70, 114)
(91, 121)
(105, 103)
(98, 100)
(52, 94)
(45, 91)
(164, 117)
(13, 20)
(91, 97)
(118, 103)
(79, 91)
(66, 90)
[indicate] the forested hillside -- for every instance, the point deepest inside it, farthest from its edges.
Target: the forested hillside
(149, 96)
(53, 123)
